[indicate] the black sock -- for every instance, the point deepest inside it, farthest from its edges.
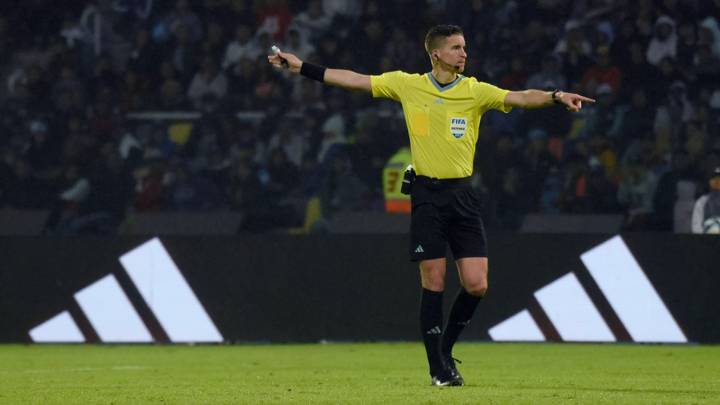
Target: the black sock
(431, 327)
(460, 314)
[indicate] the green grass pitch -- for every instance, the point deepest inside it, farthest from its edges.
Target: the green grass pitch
(392, 373)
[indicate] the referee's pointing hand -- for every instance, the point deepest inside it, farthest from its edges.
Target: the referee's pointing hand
(293, 62)
(573, 102)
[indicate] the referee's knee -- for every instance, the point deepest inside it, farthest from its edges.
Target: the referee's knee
(477, 290)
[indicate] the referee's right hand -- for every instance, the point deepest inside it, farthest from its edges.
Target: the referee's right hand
(293, 62)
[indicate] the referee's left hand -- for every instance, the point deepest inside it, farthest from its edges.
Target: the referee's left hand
(573, 102)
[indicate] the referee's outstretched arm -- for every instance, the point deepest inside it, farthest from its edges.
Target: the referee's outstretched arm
(336, 77)
(356, 81)
(539, 99)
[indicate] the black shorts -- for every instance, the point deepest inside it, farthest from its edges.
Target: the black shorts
(446, 212)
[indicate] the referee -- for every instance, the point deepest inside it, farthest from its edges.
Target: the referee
(442, 111)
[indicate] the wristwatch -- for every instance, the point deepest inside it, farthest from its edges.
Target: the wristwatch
(556, 94)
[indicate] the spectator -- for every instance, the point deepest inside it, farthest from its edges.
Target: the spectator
(516, 77)
(208, 82)
(637, 118)
(79, 144)
(344, 9)
(134, 92)
(241, 47)
(709, 35)
(638, 73)
(664, 41)
(74, 191)
(603, 72)
(635, 195)
(575, 51)
(329, 49)
(600, 190)
(539, 161)
(670, 72)
(371, 37)
(312, 22)
(69, 91)
(291, 139)
(550, 198)
(249, 196)
(183, 53)
(605, 117)
(172, 96)
(687, 41)
(214, 43)
(266, 88)
(474, 16)
(333, 130)
(283, 174)
(24, 190)
(150, 190)
(367, 155)
(706, 65)
(550, 75)
(297, 44)
(706, 212)
(666, 193)
(274, 18)
(627, 33)
(241, 13)
(43, 150)
(144, 55)
(188, 191)
(111, 186)
(514, 200)
(242, 82)
(676, 110)
(31, 88)
(183, 18)
(343, 190)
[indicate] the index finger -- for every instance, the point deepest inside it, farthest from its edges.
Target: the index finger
(583, 98)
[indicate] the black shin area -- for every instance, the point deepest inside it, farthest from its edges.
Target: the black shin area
(460, 314)
(431, 327)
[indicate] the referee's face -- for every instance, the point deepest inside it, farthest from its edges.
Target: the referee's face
(452, 53)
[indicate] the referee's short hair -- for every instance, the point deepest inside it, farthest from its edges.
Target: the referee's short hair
(438, 32)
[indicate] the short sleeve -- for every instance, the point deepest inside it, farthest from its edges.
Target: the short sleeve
(491, 98)
(388, 85)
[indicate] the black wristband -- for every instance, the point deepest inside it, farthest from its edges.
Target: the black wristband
(315, 72)
(554, 97)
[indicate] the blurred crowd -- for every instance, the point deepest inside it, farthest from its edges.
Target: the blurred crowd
(77, 74)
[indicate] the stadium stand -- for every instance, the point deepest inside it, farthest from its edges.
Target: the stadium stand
(117, 108)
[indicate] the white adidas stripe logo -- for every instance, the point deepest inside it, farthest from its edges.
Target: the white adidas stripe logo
(572, 313)
(113, 317)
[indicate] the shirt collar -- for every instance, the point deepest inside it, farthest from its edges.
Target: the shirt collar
(448, 86)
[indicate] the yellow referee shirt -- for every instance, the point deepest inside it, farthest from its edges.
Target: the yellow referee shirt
(443, 122)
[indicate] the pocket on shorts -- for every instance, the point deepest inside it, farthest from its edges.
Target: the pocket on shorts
(469, 200)
(477, 197)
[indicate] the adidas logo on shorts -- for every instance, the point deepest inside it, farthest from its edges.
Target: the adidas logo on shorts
(419, 249)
